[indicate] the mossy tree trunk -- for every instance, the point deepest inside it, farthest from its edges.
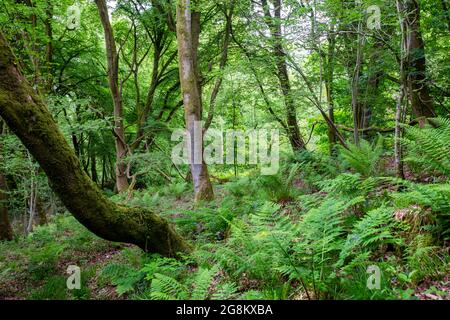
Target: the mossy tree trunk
(27, 116)
(188, 32)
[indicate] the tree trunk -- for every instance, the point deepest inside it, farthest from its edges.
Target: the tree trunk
(6, 232)
(30, 120)
(356, 104)
(113, 77)
(188, 31)
(329, 79)
(274, 24)
(41, 215)
(421, 101)
(398, 135)
(94, 169)
(374, 73)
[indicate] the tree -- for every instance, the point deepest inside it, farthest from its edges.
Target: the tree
(188, 33)
(6, 232)
(113, 78)
(274, 24)
(415, 64)
(27, 116)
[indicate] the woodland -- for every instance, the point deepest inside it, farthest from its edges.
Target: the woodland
(95, 206)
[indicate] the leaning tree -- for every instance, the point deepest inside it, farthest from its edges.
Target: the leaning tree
(28, 117)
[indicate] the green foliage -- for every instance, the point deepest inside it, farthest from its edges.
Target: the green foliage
(431, 197)
(428, 148)
(375, 229)
(309, 231)
(202, 282)
(122, 276)
(42, 262)
(425, 258)
(364, 158)
(54, 289)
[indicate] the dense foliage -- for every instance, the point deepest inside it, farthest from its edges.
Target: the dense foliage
(363, 117)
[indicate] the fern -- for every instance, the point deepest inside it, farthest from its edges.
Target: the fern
(167, 288)
(429, 148)
(433, 196)
(425, 258)
(122, 276)
(202, 283)
(378, 227)
(225, 291)
(364, 158)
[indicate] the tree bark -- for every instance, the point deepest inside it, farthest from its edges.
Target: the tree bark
(28, 117)
(329, 87)
(113, 77)
(417, 83)
(398, 135)
(41, 214)
(188, 32)
(356, 104)
(6, 232)
(374, 73)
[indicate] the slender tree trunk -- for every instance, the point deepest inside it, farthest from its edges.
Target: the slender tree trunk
(94, 168)
(30, 120)
(398, 135)
(188, 32)
(6, 232)
(113, 77)
(329, 77)
(41, 215)
(274, 24)
(356, 105)
(374, 73)
(416, 75)
(31, 200)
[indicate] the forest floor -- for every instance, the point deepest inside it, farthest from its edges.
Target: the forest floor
(35, 266)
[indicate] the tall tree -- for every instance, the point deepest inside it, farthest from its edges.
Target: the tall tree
(415, 62)
(274, 24)
(113, 77)
(6, 232)
(188, 34)
(28, 117)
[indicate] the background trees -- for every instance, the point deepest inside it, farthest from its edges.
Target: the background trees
(355, 96)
